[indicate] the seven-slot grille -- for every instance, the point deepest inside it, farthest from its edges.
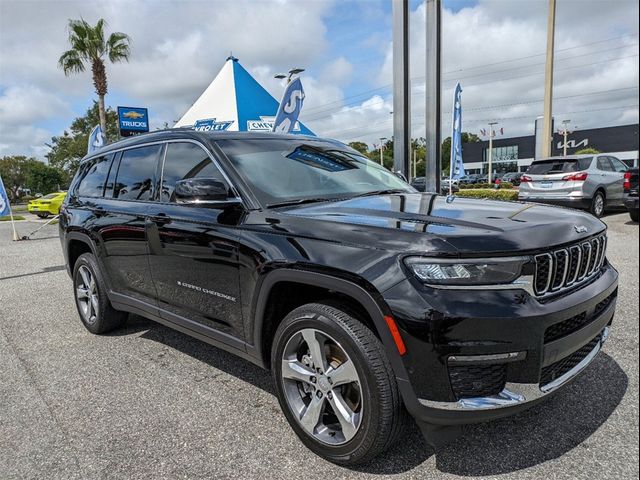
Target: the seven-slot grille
(565, 267)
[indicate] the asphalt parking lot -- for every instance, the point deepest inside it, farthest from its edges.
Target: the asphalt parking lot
(148, 402)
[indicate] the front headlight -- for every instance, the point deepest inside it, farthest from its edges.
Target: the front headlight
(484, 271)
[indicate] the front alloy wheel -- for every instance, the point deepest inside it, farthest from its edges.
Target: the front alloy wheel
(322, 386)
(335, 384)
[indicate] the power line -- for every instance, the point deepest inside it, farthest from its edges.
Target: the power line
(484, 120)
(384, 87)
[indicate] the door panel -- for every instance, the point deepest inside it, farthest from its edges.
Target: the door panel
(120, 221)
(194, 250)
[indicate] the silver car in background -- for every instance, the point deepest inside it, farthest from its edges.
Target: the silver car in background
(590, 182)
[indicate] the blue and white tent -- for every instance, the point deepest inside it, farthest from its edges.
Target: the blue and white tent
(234, 101)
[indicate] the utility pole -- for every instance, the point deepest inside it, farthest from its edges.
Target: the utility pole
(433, 86)
(548, 82)
(565, 133)
(401, 89)
(491, 135)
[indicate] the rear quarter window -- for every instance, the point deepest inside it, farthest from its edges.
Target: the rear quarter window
(94, 176)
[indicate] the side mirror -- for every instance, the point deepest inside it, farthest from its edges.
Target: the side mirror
(202, 192)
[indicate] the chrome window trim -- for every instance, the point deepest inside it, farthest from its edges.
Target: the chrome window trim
(165, 142)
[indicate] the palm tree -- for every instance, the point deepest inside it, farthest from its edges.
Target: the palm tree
(89, 47)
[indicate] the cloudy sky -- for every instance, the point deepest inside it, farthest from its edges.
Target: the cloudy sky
(494, 48)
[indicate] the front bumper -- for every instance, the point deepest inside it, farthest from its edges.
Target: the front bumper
(498, 323)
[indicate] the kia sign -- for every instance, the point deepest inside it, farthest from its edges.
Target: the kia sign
(132, 121)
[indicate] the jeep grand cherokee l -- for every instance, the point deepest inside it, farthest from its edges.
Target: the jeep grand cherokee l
(364, 298)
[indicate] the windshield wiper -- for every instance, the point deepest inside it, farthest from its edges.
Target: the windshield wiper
(382, 192)
(299, 201)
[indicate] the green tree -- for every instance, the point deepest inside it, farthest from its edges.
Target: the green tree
(13, 170)
(361, 147)
(42, 178)
(68, 148)
(20, 172)
(90, 47)
(588, 150)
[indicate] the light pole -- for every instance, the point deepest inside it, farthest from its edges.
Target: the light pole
(565, 133)
(548, 81)
(491, 134)
(289, 76)
(382, 139)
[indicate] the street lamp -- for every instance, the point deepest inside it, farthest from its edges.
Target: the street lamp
(382, 139)
(292, 72)
(491, 135)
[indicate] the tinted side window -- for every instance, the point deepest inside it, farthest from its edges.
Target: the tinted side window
(136, 173)
(618, 166)
(604, 164)
(94, 178)
(182, 161)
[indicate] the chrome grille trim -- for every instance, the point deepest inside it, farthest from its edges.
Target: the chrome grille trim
(547, 282)
(559, 278)
(554, 271)
(575, 255)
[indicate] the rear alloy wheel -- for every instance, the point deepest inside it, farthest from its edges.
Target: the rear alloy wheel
(94, 307)
(597, 204)
(335, 384)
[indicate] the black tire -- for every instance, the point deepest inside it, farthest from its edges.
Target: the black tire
(382, 415)
(598, 203)
(43, 215)
(104, 318)
(634, 215)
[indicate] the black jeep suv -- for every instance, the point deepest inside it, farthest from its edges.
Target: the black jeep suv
(365, 298)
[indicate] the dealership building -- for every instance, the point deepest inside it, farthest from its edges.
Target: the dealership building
(515, 154)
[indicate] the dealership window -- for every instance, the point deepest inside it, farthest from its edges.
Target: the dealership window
(136, 173)
(186, 160)
(96, 171)
(505, 153)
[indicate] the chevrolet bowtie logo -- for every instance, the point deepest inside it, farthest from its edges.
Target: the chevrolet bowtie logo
(133, 115)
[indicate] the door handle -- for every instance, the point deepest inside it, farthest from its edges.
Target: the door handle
(160, 219)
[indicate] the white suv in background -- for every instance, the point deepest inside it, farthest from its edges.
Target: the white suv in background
(590, 182)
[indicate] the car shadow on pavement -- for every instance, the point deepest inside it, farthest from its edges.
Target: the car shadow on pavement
(202, 351)
(547, 431)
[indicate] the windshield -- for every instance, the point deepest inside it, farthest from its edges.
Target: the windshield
(282, 170)
(51, 195)
(559, 165)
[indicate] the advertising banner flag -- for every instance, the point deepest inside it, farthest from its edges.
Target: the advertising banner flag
(290, 107)
(4, 200)
(457, 166)
(5, 208)
(96, 139)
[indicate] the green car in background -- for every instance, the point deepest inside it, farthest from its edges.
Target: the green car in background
(47, 205)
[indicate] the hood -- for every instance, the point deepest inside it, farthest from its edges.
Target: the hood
(414, 221)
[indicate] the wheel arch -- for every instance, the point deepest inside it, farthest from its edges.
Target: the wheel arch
(340, 286)
(77, 243)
